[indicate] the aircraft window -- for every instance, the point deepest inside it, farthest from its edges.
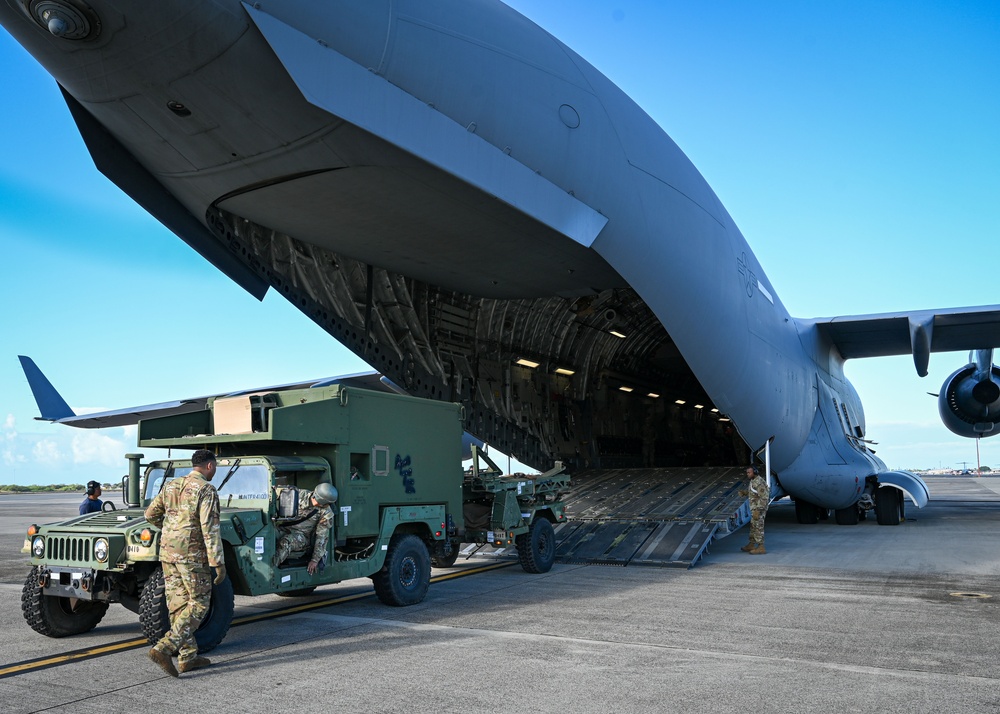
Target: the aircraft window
(248, 482)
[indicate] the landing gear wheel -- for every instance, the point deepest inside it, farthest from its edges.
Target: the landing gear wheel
(888, 506)
(406, 574)
(806, 513)
(58, 616)
(155, 619)
(847, 516)
(536, 549)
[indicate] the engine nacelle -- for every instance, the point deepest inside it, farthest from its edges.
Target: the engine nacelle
(969, 402)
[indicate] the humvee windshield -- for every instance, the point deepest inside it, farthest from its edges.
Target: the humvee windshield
(247, 482)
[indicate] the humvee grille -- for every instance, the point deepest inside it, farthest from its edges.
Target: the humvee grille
(67, 549)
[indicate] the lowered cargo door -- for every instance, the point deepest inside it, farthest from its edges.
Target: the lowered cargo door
(645, 516)
(660, 517)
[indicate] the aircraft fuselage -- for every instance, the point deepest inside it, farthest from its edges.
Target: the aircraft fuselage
(456, 150)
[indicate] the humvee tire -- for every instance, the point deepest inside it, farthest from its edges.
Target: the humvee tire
(155, 619)
(406, 574)
(58, 616)
(536, 549)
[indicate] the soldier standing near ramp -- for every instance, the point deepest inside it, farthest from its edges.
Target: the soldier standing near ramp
(760, 497)
(187, 511)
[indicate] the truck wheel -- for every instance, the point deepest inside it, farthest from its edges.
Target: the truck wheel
(439, 561)
(58, 616)
(155, 619)
(406, 573)
(536, 549)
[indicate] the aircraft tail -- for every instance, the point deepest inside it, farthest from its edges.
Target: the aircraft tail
(51, 405)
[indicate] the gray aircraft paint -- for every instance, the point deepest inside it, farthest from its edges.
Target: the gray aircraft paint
(459, 145)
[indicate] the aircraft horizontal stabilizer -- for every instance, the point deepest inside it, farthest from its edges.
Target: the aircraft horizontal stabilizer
(917, 332)
(53, 407)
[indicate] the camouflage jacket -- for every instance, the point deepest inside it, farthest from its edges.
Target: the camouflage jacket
(187, 512)
(321, 520)
(760, 494)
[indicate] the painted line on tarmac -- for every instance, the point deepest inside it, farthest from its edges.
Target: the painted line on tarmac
(40, 663)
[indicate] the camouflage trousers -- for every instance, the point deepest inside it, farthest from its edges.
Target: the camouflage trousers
(189, 591)
(291, 541)
(757, 525)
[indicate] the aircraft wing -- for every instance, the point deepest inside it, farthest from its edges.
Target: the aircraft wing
(54, 408)
(917, 332)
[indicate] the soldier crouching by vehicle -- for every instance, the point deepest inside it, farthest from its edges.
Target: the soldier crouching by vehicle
(315, 515)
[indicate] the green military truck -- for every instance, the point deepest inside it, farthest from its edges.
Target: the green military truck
(395, 461)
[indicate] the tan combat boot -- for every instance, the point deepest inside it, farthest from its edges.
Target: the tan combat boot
(196, 663)
(164, 660)
(758, 550)
(748, 547)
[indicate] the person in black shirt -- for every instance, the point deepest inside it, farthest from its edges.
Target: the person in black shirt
(92, 503)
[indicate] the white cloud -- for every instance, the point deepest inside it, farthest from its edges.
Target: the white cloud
(93, 448)
(46, 452)
(8, 425)
(11, 458)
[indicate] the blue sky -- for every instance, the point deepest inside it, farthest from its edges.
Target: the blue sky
(855, 144)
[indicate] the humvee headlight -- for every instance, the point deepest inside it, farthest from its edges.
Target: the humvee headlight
(38, 547)
(101, 550)
(146, 537)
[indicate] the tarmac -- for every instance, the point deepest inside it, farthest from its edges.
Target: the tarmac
(833, 618)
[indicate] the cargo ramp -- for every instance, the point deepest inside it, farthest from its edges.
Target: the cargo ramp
(663, 517)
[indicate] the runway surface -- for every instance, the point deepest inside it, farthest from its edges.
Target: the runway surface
(889, 619)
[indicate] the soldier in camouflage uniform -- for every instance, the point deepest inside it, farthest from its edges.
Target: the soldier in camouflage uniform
(314, 514)
(760, 497)
(187, 512)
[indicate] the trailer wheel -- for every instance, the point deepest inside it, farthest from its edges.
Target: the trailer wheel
(536, 549)
(888, 506)
(58, 616)
(155, 619)
(439, 561)
(406, 574)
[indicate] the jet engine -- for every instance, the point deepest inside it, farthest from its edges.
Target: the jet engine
(969, 401)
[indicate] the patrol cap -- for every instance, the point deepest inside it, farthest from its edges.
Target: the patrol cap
(325, 494)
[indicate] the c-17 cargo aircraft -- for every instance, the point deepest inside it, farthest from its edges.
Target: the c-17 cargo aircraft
(476, 211)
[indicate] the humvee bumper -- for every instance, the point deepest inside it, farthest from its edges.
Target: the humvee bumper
(80, 583)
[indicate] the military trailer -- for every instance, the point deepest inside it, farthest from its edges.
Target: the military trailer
(395, 462)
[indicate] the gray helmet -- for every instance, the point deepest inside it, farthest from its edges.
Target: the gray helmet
(325, 494)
